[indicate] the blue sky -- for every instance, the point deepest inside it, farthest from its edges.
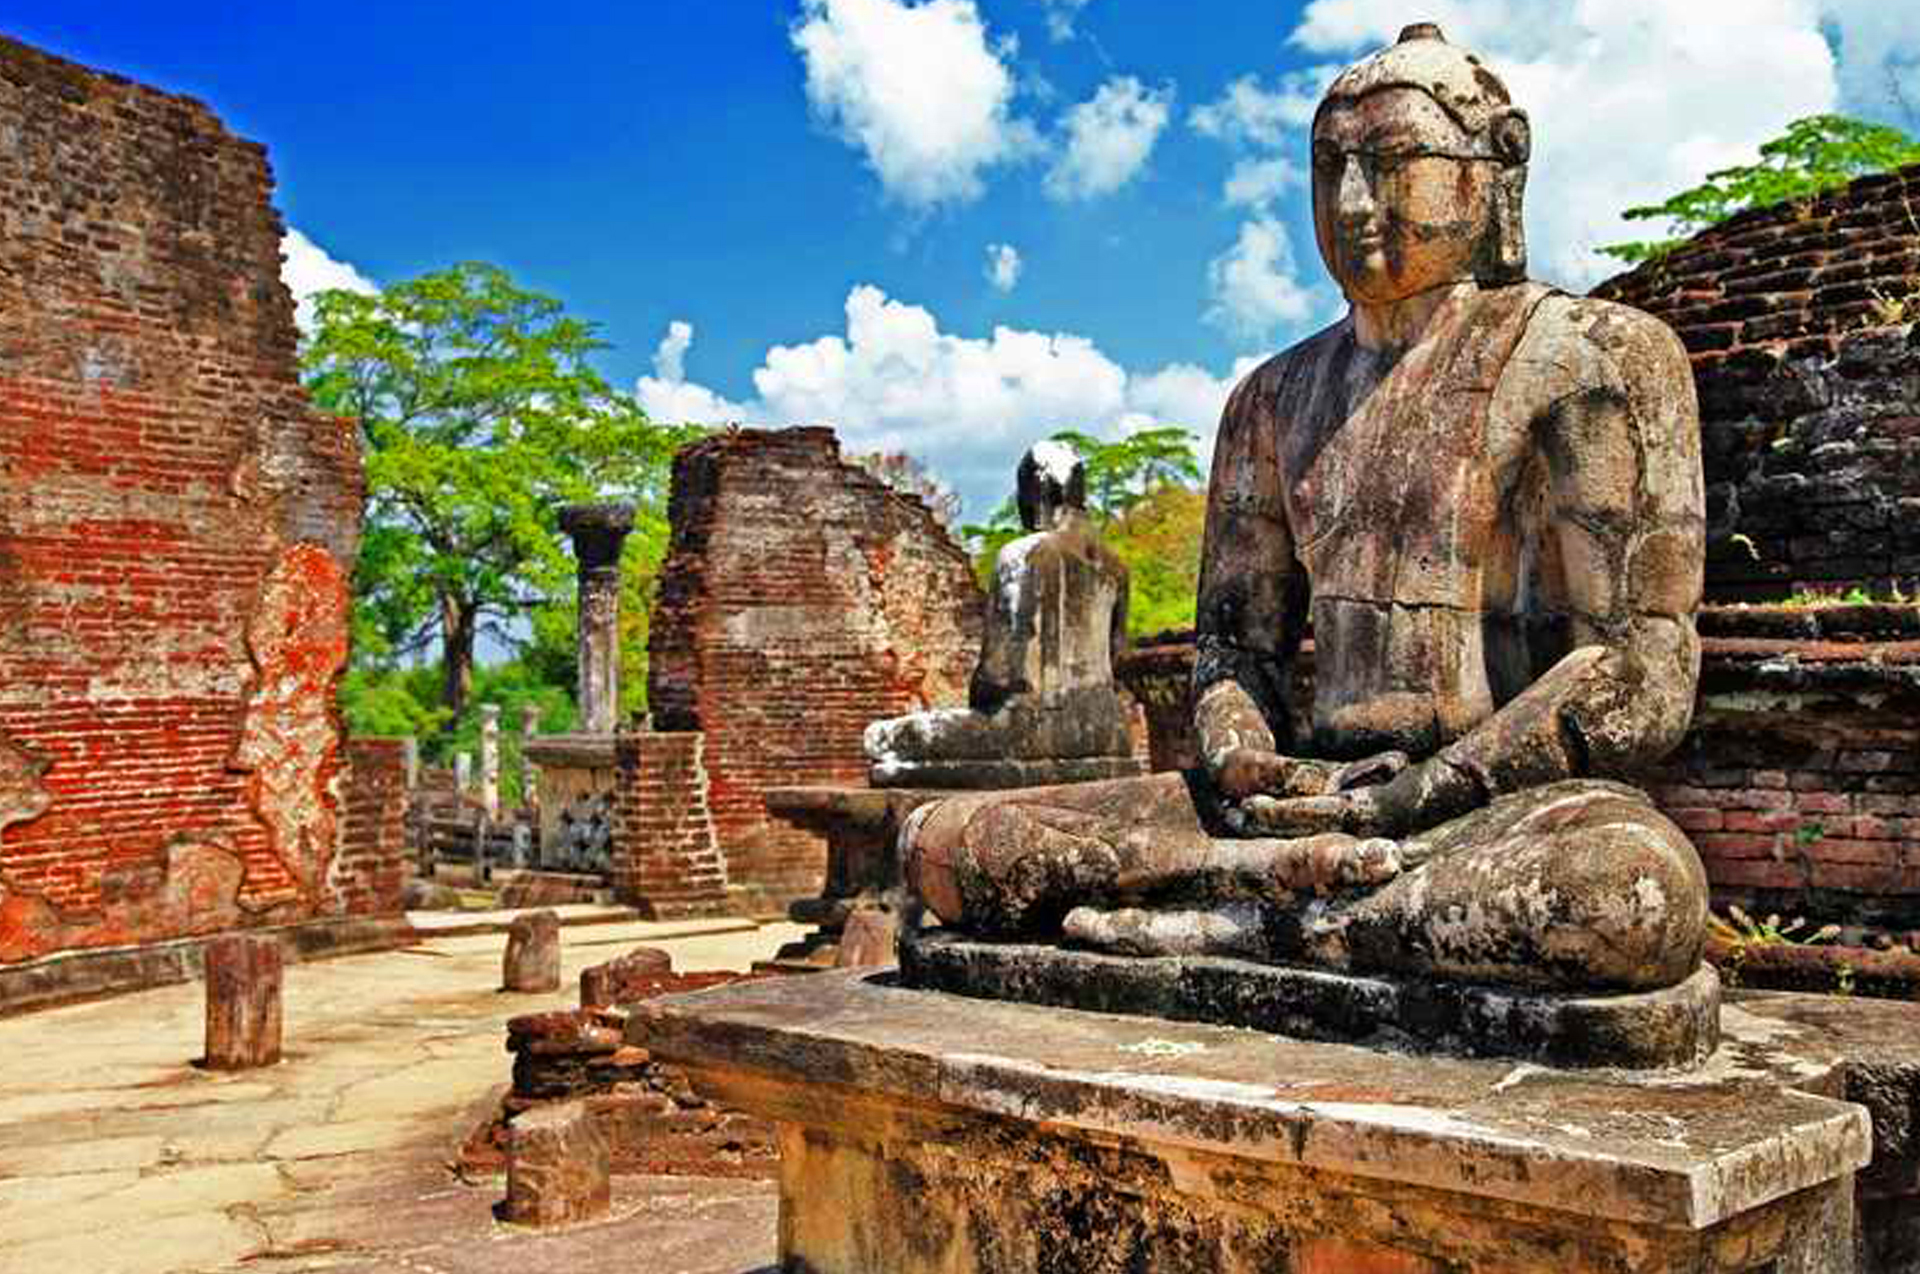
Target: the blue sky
(817, 192)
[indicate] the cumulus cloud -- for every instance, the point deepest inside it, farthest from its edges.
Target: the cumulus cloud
(1004, 266)
(667, 397)
(1248, 114)
(1108, 138)
(306, 269)
(1879, 56)
(1255, 285)
(919, 89)
(1060, 17)
(670, 357)
(967, 406)
(1630, 100)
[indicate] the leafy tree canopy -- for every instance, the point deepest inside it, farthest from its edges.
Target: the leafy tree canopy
(1814, 154)
(480, 417)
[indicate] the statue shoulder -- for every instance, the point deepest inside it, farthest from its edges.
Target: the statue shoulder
(1575, 344)
(1300, 364)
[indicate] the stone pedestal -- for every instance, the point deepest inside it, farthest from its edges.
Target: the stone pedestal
(532, 959)
(243, 974)
(557, 1167)
(861, 825)
(921, 1132)
(575, 797)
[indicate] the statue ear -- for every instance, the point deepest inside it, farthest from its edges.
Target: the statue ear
(1511, 136)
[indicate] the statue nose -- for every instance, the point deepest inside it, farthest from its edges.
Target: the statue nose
(1355, 201)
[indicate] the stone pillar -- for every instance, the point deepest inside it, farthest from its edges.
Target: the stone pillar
(598, 531)
(558, 1166)
(463, 772)
(243, 973)
(410, 760)
(529, 771)
(490, 760)
(532, 960)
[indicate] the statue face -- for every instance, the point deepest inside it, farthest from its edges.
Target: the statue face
(1401, 203)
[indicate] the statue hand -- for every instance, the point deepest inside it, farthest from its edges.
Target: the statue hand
(1415, 798)
(1245, 772)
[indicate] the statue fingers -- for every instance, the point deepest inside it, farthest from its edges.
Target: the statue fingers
(1370, 770)
(1370, 862)
(1297, 815)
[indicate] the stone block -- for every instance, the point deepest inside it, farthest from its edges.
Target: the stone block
(624, 978)
(867, 939)
(923, 1132)
(557, 1167)
(532, 960)
(243, 1001)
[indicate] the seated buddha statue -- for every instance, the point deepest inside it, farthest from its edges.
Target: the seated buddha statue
(1484, 497)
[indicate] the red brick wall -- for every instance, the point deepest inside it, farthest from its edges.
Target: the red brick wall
(176, 525)
(666, 860)
(1799, 321)
(801, 599)
(370, 869)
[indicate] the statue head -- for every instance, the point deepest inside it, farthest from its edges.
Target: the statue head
(1051, 480)
(1419, 165)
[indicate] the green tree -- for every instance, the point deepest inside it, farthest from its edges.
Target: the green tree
(1814, 154)
(480, 416)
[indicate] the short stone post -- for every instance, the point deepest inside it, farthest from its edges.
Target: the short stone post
(410, 760)
(529, 772)
(243, 975)
(490, 760)
(598, 531)
(463, 772)
(532, 960)
(558, 1167)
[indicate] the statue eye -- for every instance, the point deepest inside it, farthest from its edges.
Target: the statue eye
(1328, 159)
(1390, 162)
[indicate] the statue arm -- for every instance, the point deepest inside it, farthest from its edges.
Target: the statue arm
(1252, 609)
(998, 676)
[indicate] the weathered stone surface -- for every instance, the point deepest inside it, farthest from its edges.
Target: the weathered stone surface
(1674, 1026)
(557, 1168)
(921, 1133)
(623, 978)
(243, 974)
(1485, 498)
(868, 939)
(1043, 690)
(531, 962)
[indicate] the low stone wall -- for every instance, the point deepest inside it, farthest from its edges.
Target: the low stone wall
(1799, 780)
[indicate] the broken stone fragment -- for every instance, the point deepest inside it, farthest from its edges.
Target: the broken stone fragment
(532, 960)
(558, 1171)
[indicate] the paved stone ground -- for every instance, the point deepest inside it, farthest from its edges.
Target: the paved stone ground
(119, 1156)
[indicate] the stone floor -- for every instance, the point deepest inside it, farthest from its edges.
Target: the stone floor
(119, 1156)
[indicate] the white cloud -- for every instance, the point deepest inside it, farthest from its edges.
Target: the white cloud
(1249, 115)
(1631, 100)
(967, 406)
(1255, 285)
(306, 269)
(1879, 53)
(1257, 183)
(1060, 17)
(1109, 137)
(667, 397)
(1004, 266)
(670, 358)
(918, 89)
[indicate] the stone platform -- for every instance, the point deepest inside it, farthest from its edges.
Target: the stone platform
(921, 1131)
(1676, 1027)
(994, 775)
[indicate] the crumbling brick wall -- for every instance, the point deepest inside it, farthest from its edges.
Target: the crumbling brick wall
(1799, 321)
(176, 529)
(801, 599)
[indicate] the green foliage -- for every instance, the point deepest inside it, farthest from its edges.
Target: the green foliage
(480, 417)
(1816, 153)
(1814, 598)
(1142, 492)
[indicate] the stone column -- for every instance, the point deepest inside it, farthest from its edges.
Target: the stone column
(463, 772)
(532, 959)
(598, 531)
(529, 772)
(410, 759)
(243, 972)
(490, 760)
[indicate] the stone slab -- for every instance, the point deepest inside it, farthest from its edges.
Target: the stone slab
(1670, 1150)
(1678, 1026)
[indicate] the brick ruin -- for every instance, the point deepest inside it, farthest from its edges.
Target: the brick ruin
(177, 525)
(801, 599)
(1799, 322)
